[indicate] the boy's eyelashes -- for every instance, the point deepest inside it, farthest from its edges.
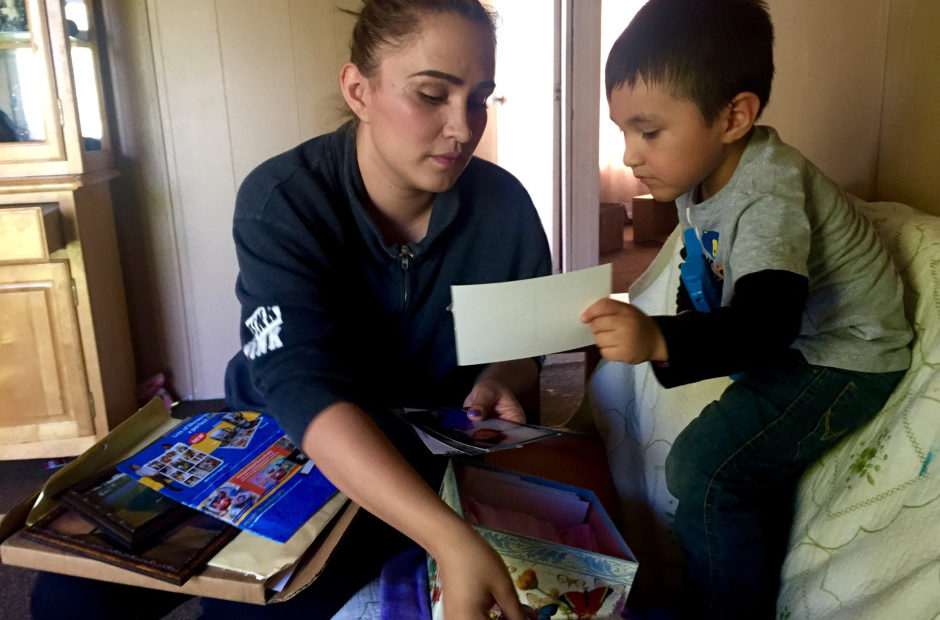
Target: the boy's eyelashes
(646, 134)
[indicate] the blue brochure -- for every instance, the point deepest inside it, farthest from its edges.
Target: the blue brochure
(238, 467)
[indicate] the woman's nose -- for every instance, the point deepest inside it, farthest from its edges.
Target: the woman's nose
(458, 125)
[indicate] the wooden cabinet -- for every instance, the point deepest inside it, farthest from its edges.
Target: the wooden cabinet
(66, 365)
(46, 396)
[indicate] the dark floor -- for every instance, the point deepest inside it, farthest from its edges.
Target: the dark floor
(562, 387)
(631, 261)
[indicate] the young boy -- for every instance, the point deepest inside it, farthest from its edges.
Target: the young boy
(806, 311)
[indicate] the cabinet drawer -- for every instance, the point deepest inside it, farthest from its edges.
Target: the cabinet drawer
(29, 233)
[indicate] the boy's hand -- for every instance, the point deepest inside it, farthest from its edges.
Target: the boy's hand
(623, 333)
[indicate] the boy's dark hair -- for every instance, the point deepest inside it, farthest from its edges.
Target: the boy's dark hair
(706, 51)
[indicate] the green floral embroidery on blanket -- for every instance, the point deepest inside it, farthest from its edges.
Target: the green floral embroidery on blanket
(865, 463)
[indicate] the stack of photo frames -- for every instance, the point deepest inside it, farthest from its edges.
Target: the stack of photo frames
(167, 509)
(114, 518)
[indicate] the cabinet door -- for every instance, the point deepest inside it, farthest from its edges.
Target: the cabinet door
(30, 129)
(43, 387)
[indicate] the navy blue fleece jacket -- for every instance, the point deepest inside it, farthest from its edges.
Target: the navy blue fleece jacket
(332, 312)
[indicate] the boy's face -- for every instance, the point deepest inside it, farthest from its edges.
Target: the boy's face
(667, 142)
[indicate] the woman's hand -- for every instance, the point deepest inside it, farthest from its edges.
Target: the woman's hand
(474, 578)
(623, 333)
(359, 459)
(506, 389)
(491, 397)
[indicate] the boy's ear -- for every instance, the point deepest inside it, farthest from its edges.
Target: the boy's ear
(742, 114)
(355, 89)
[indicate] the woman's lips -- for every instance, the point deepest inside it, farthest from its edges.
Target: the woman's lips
(447, 159)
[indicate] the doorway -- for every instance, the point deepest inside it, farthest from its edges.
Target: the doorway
(629, 243)
(520, 132)
(549, 102)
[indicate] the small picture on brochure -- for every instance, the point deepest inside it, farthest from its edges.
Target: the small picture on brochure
(454, 428)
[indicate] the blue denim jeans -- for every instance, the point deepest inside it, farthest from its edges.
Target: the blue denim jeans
(734, 471)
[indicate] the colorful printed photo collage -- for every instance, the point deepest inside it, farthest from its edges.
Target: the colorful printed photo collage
(181, 464)
(229, 502)
(237, 433)
(256, 480)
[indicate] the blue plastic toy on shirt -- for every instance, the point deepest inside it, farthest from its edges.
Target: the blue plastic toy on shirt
(695, 276)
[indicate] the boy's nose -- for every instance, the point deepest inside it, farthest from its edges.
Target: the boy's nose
(631, 154)
(631, 159)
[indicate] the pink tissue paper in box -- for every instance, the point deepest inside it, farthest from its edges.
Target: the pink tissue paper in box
(563, 552)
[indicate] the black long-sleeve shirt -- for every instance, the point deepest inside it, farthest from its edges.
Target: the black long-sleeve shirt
(762, 319)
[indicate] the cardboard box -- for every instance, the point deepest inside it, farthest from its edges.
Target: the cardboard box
(148, 424)
(548, 574)
(610, 227)
(653, 221)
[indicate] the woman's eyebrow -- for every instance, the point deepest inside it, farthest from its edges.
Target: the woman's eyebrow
(453, 79)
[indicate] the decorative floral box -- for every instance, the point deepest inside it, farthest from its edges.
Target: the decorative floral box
(563, 552)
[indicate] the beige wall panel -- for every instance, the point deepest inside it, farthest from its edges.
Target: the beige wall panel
(203, 92)
(202, 181)
(260, 90)
(909, 159)
(320, 34)
(826, 98)
(142, 208)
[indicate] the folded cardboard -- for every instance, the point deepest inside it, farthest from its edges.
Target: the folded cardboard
(145, 426)
(553, 579)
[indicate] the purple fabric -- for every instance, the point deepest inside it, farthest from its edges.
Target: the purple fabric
(403, 586)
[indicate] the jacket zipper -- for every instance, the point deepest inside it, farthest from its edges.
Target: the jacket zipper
(405, 255)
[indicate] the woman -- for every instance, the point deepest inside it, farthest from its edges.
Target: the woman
(347, 247)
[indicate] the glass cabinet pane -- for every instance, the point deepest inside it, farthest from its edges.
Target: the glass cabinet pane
(22, 87)
(52, 115)
(81, 47)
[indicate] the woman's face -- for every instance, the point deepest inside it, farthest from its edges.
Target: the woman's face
(426, 108)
